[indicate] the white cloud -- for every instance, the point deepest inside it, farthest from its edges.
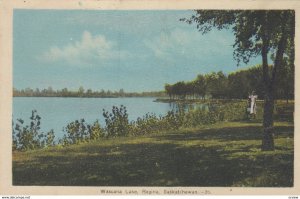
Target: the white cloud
(187, 45)
(89, 50)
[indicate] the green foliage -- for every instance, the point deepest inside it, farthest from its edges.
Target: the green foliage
(117, 123)
(200, 117)
(27, 137)
(149, 123)
(50, 138)
(95, 131)
(174, 119)
(235, 111)
(79, 131)
(235, 85)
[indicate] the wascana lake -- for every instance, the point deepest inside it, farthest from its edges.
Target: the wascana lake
(75, 71)
(57, 112)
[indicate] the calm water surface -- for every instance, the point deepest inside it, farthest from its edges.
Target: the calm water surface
(56, 112)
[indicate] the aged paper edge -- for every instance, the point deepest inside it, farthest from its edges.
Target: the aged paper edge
(6, 18)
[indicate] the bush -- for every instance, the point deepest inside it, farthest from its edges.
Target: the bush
(50, 138)
(26, 137)
(199, 117)
(232, 111)
(95, 131)
(174, 119)
(145, 125)
(79, 131)
(117, 123)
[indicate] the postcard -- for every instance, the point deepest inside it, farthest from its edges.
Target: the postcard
(149, 98)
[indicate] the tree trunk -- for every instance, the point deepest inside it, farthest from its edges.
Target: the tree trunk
(268, 131)
(268, 134)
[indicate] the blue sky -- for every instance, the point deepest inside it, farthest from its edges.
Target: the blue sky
(134, 50)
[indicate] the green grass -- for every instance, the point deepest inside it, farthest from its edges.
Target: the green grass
(223, 154)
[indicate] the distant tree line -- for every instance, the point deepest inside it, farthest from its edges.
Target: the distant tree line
(81, 92)
(236, 85)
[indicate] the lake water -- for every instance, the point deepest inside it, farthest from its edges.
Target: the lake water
(56, 112)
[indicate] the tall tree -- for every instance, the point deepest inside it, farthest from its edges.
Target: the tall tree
(257, 32)
(200, 86)
(238, 84)
(168, 89)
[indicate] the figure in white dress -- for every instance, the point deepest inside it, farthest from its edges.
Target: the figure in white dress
(252, 100)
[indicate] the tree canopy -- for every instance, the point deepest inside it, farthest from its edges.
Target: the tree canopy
(235, 85)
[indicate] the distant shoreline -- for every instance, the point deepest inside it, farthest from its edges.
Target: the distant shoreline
(88, 96)
(159, 99)
(82, 93)
(187, 101)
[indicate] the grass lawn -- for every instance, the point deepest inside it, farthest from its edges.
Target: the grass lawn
(223, 154)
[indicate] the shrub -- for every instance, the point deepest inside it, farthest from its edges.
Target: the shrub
(50, 138)
(117, 123)
(79, 131)
(174, 119)
(150, 123)
(95, 131)
(26, 137)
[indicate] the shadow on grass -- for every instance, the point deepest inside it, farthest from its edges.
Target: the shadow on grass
(230, 134)
(160, 164)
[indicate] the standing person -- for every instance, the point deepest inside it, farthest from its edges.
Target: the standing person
(252, 99)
